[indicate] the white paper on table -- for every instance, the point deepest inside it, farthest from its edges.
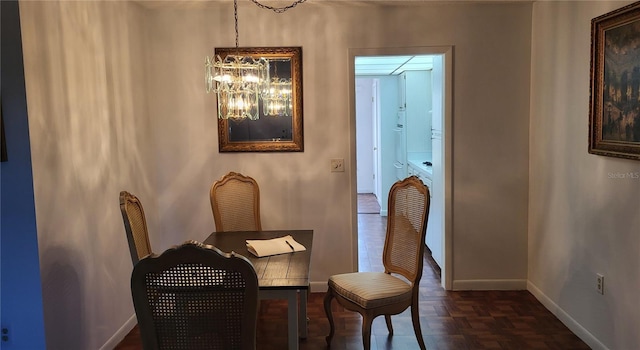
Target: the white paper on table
(274, 246)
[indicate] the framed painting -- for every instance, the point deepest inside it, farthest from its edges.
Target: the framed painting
(614, 109)
(277, 129)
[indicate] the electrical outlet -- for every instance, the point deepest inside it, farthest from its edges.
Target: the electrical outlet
(5, 334)
(337, 165)
(600, 283)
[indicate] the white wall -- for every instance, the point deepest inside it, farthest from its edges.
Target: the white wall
(90, 138)
(116, 101)
(488, 164)
(581, 220)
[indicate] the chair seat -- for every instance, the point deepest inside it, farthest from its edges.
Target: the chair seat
(371, 289)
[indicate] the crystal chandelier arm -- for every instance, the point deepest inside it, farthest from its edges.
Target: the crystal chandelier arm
(278, 9)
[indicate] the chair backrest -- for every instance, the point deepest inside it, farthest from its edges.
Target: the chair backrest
(408, 212)
(135, 226)
(193, 296)
(235, 202)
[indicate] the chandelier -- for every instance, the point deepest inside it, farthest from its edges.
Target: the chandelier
(276, 97)
(242, 83)
(238, 81)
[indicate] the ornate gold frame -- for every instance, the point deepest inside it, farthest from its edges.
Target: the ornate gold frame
(614, 109)
(292, 144)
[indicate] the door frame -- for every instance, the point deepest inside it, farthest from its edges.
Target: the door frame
(447, 145)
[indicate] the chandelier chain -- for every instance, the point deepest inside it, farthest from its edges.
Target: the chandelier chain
(278, 9)
(235, 17)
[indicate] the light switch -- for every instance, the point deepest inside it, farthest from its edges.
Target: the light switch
(337, 165)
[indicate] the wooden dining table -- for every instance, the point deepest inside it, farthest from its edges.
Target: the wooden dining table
(283, 276)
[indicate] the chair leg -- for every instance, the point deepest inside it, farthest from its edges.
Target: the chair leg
(327, 310)
(366, 331)
(387, 319)
(415, 317)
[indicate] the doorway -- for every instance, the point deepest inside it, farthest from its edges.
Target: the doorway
(367, 136)
(382, 114)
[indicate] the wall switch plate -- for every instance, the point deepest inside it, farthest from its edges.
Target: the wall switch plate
(600, 283)
(337, 165)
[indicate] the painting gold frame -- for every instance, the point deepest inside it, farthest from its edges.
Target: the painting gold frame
(614, 109)
(267, 133)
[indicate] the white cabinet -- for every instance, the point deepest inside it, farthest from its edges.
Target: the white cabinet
(402, 91)
(423, 175)
(435, 234)
(418, 104)
(411, 171)
(427, 181)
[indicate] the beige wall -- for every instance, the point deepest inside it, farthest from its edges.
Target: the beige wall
(582, 221)
(90, 138)
(116, 101)
(491, 85)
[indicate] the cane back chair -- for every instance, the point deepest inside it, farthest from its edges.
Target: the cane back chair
(383, 293)
(135, 226)
(235, 202)
(194, 296)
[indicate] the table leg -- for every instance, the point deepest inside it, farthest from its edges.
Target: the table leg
(302, 313)
(294, 324)
(292, 312)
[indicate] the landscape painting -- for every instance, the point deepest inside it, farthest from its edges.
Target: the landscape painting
(615, 84)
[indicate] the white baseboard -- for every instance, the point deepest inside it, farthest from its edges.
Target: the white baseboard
(383, 212)
(490, 284)
(317, 287)
(120, 334)
(564, 317)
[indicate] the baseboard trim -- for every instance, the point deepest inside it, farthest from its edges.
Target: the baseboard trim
(120, 334)
(516, 284)
(564, 317)
(317, 287)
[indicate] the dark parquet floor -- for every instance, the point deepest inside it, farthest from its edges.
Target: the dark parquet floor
(449, 320)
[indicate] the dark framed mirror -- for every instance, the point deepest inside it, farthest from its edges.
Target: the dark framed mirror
(279, 126)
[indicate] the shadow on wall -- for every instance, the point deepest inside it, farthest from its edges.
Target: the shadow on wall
(63, 300)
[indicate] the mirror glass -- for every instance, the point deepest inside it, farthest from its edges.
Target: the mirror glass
(279, 126)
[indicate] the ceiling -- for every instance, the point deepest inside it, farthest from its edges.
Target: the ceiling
(391, 65)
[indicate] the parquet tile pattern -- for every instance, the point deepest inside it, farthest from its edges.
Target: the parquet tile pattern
(449, 320)
(368, 204)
